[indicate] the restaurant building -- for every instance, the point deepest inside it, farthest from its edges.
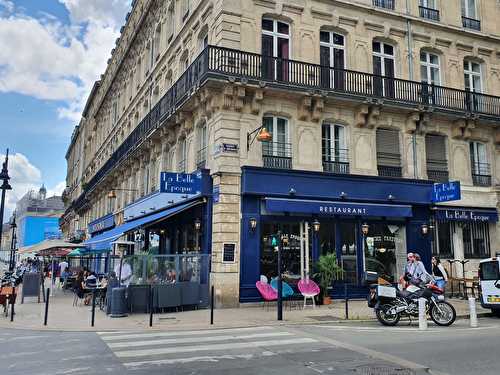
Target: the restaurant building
(369, 103)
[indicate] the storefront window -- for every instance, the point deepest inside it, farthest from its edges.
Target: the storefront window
(476, 239)
(383, 245)
(443, 239)
(290, 254)
(348, 260)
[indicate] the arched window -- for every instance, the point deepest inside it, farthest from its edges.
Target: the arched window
(278, 152)
(332, 59)
(202, 141)
(182, 155)
(335, 154)
(275, 48)
(384, 66)
(472, 76)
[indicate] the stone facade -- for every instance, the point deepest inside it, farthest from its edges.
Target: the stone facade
(160, 39)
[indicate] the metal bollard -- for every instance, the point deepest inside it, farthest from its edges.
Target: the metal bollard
(473, 312)
(422, 316)
(346, 303)
(46, 307)
(13, 297)
(93, 308)
(212, 305)
(151, 305)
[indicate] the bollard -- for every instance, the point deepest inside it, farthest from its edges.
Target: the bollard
(346, 303)
(212, 306)
(422, 316)
(150, 305)
(473, 312)
(13, 298)
(46, 307)
(93, 308)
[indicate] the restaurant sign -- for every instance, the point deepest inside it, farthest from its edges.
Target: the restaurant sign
(180, 183)
(446, 192)
(467, 215)
(102, 223)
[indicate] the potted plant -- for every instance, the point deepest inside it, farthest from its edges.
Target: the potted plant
(328, 269)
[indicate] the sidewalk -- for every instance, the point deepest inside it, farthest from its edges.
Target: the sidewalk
(64, 317)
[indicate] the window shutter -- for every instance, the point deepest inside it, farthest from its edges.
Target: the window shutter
(435, 148)
(388, 148)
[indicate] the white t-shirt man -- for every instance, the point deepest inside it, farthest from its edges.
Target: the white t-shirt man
(126, 275)
(63, 265)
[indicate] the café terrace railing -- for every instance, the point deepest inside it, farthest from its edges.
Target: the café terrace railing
(228, 64)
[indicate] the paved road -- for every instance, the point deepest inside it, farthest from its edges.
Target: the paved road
(306, 349)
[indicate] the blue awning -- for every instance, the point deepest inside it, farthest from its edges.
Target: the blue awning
(466, 214)
(328, 208)
(103, 240)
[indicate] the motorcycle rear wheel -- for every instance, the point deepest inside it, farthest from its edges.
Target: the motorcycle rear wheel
(448, 315)
(385, 319)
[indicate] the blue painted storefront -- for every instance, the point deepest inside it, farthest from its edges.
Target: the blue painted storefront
(269, 194)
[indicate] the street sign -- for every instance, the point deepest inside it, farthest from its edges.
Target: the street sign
(180, 183)
(446, 192)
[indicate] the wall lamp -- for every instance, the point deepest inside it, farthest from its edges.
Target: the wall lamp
(253, 224)
(365, 228)
(292, 191)
(197, 224)
(343, 195)
(261, 134)
(112, 192)
(425, 229)
(316, 225)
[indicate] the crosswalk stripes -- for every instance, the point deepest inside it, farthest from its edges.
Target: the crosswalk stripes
(138, 349)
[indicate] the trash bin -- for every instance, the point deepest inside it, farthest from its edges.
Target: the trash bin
(118, 303)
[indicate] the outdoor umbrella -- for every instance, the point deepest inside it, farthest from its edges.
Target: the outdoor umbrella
(47, 245)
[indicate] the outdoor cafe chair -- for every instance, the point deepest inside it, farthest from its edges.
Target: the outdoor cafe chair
(267, 292)
(309, 289)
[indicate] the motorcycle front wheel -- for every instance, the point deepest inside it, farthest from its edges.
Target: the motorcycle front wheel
(443, 313)
(385, 318)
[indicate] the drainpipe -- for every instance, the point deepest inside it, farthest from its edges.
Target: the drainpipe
(410, 75)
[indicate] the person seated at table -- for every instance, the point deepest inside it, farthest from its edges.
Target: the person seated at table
(171, 276)
(79, 286)
(91, 281)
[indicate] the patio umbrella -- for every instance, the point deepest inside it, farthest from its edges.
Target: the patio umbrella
(75, 253)
(47, 245)
(54, 252)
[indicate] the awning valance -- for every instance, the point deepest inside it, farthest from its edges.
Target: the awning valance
(330, 208)
(103, 240)
(466, 214)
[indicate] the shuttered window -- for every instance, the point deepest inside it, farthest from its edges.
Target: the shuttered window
(388, 153)
(435, 146)
(476, 238)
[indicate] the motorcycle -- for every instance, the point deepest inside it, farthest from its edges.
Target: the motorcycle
(391, 304)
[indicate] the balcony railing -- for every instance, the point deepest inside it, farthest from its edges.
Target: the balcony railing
(429, 13)
(277, 155)
(181, 166)
(481, 173)
(438, 175)
(389, 171)
(223, 63)
(336, 160)
(388, 4)
(471, 23)
(201, 158)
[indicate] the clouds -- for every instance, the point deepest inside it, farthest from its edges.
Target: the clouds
(24, 176)
(50, 60)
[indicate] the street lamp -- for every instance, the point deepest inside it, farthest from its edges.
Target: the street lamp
(4, 176)
(316, 225)
(262, 136)
(253, 224)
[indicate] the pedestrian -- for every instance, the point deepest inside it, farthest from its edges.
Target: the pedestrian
(420, 271)
(439, 273)
(63, 266)
(408, 271)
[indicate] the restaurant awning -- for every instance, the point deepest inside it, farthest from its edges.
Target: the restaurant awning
(331, 208)
(47, 245)
(103, 241)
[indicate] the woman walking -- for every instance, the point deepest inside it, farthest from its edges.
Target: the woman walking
(439, 273)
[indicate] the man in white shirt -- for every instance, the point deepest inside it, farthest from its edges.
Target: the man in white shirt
(123, 270)
(63, 266)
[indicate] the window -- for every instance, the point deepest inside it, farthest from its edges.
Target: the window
(139, 72)
(170, 23)
(278, 152)
(469, 15)
(388, 4)
(201, 156)
(332, 59)
(429, 10)
(437, 163)
(182, 154)
(151, 51)
(442, 245)
(388, 154)
(157, 42)
(383, 68)
(472, 76)
(476, 238)
(481, 175)
(334, 149)
(429, 68)
(275, 48)
(184, 9)
(146, 180)
(115, 112)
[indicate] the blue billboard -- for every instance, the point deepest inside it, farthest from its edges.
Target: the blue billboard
(34, 229)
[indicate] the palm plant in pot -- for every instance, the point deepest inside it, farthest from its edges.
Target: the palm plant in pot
(328, 270)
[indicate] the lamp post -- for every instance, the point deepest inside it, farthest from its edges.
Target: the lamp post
(12, 259)
(364, 230)
(4, 176)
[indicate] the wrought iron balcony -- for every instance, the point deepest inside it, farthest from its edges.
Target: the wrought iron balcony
(277, 155)
(336, 161)
(388, 4)
(389, 171)
(438, 175)
(429, 13)
(471, 23)
(181, 166)
(481, 173)
(218, 63)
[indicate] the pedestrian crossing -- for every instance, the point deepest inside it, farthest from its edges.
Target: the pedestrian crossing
(137, 350)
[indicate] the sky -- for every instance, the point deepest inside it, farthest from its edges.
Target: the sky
(51, 52)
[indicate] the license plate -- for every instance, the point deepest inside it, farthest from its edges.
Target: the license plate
(386, 291)
(494, 299)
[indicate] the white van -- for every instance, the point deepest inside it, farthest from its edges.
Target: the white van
(489, 281)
